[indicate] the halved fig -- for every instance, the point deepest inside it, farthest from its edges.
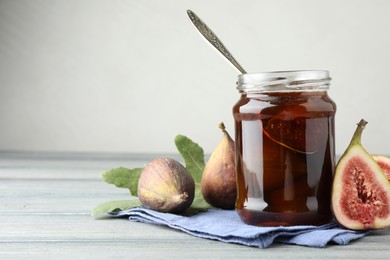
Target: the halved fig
(384, 163)
(361, 192)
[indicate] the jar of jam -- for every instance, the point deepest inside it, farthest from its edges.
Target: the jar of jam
(285, 148)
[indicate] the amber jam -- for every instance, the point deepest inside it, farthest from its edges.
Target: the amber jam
(285, 152)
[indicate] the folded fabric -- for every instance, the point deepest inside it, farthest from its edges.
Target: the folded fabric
(226, 226)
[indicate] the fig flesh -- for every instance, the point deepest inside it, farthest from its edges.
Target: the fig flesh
(361, 192)
(166, 186)
(384, 163)
(218, 184)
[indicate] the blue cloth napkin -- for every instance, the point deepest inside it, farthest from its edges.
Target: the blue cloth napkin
(226, 226)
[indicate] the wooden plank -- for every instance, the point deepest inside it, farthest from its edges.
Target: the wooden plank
(68, 165)
(56, 195)
(176, 249)
(79, 235)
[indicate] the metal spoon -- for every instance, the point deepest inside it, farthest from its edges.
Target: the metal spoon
(213, 39)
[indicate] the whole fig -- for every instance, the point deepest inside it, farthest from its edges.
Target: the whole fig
(218, 184)
(361, 192)
(166, 186)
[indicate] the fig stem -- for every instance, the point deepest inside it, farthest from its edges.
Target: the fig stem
(184, 196)
(221, 126)
(356, 138)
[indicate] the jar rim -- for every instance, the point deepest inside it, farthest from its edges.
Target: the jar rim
(284, 81)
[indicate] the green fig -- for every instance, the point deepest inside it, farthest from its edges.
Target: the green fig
(166, 186)
(361, 192)
(218, 184)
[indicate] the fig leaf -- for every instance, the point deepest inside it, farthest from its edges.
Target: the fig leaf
(193, 156)
(114, 206)
(199, 202)
(123, 178)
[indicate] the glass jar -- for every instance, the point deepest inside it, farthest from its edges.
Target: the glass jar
(285, 148)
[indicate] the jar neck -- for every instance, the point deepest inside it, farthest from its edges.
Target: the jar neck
(284, 81)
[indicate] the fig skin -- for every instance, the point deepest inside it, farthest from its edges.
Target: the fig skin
(361, 192)
(166, 186)
(384, 163)
(218, 184)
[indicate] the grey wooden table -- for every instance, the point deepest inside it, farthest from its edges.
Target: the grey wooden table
(45, 203)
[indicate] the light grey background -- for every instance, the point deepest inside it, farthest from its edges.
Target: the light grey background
(127, 76)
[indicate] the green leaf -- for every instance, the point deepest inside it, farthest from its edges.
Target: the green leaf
(193, 156)
(199, 201)
(114, 206)
(123, 178)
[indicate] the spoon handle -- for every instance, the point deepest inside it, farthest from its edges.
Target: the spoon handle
(213, 39)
